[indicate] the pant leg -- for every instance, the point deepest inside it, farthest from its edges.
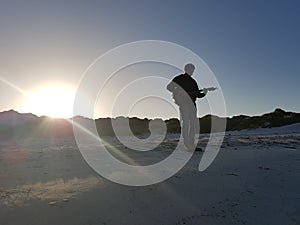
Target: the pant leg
(184, 123)
(194, 125)
(189, 124)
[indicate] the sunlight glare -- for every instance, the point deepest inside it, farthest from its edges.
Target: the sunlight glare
(54, 101)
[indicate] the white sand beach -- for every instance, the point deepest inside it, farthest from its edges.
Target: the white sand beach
(254, 180)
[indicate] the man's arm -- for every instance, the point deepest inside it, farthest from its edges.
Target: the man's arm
(198, 93)
(201, 93)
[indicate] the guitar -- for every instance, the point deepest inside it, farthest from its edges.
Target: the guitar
(180, 96)
(205, 90)
(208, 89)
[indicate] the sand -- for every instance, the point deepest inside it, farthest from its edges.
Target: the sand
(254, 180)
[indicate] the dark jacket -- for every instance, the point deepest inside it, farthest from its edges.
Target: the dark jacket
(188, 84)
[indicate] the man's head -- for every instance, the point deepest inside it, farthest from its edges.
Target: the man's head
(189, 69)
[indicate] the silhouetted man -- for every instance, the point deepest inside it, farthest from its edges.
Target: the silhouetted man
(185, 92)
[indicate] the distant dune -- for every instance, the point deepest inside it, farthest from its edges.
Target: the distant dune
(17, 125)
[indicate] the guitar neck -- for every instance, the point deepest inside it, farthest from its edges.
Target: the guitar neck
(208, 89)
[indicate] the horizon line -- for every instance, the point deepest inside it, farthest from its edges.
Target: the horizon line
(228, 117)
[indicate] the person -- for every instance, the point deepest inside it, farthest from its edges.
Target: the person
(185, 93)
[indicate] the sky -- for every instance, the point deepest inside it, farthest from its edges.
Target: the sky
(252, 48)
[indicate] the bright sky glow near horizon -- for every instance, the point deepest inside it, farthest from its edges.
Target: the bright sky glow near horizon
(251, 46)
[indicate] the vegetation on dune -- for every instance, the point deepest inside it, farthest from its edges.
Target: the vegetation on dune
(17, 125)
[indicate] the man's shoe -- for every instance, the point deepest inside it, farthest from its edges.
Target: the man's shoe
(192, 149)
(198, 149)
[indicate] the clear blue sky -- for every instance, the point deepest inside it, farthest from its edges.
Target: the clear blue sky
(251, 46)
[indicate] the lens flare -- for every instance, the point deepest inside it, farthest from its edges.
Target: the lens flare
(52, 100)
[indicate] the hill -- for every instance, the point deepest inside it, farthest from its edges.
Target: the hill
(276, 118)
(18, 125)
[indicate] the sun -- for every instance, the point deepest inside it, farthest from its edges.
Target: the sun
(52, 100)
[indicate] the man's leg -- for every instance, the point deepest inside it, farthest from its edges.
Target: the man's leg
(184, 123)
(194, 125)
